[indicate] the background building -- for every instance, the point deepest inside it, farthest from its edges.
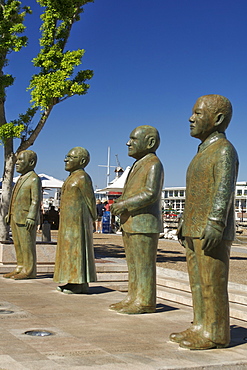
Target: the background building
(174, 199)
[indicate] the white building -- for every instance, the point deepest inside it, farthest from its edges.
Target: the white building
(174, 199)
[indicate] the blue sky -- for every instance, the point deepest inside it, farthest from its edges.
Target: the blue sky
(151, 62)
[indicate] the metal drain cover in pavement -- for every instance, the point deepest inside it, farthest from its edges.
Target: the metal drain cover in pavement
(38, 333)
(5, 312)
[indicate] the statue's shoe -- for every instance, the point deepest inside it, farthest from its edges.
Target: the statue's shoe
(22, 276)
(76, 289)
(200, 343)
(16, 271)
(10, 274)
(137, 308)
(120, 305)
(178, 337)
(62, 287)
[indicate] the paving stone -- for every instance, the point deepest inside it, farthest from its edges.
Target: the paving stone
(87, 335)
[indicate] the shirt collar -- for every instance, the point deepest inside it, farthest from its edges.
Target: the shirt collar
(215, 136)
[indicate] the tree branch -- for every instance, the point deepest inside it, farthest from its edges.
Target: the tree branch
(27, 143)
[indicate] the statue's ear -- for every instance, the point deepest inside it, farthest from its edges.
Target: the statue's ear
(32, 163)
(219, 118)
(82, 161)
(151, 142)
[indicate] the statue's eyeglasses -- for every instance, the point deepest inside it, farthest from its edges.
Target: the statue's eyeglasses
(70, 157)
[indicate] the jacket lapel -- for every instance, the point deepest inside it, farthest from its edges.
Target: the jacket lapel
(136, 167)
(18, 185)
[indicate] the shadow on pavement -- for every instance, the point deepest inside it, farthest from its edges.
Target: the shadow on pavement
(238, 335)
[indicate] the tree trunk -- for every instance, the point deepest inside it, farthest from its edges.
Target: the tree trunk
(8, 172)
(29, 141)
(9, 164)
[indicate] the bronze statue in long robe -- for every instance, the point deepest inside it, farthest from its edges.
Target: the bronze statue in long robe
(75, 255)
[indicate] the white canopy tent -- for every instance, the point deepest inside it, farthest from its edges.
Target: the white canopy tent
(117, 184)
(48, 182)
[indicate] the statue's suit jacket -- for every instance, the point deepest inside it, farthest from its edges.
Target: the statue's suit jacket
(26, 198)
(142, 196)
(210, 188)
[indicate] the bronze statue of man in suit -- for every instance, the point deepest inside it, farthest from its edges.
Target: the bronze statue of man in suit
(139, 208)
(23, 216)
(75, 266)
(208, 225)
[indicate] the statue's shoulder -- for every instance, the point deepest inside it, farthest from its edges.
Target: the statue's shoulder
(223, 150)
(225, 146)
(150, 158)
(33, 177)
(82, 177)
(155, 162)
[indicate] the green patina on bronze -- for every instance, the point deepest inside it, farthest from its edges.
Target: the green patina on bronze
(74, 265)
(139, 208)
(207, 228)
(23, 216)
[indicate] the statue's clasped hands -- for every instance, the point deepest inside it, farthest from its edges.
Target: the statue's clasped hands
(118, 208)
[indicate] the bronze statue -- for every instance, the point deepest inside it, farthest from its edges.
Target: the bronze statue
(23, 216)
(208, 226)
(139, 208)
(74, 266)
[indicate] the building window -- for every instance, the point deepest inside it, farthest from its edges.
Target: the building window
(166, 194)
(176, 193)
(245, 192)
(243, 204)
(170, 193)
(239, 192)
(181, 193)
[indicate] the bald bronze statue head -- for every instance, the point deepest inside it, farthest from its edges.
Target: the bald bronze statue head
(143, 140)
(77, 158)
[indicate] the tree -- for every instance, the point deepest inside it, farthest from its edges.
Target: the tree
(55, 82)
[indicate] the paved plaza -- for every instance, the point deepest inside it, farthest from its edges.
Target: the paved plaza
(87, 335)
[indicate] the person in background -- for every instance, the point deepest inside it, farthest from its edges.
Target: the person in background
(100, 210)
(106, 205)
